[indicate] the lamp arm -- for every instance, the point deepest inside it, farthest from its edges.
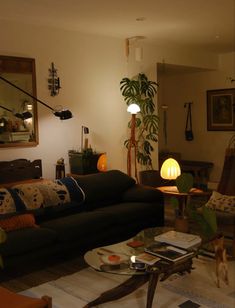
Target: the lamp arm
(5, 108)
(38, 100)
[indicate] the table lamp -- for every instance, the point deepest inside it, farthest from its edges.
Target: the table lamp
(170, 169)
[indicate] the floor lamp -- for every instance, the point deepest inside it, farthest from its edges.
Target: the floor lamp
(133, 109)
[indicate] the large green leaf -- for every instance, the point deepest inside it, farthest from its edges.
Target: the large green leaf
(184, 182)
(141, 91)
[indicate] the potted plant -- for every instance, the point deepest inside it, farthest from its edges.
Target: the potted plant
(141, 91)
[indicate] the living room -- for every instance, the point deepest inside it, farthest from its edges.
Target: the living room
(90, 68)
(90, 58)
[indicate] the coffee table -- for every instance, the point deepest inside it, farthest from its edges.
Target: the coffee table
(96, 259)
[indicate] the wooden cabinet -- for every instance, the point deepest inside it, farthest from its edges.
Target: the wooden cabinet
(83, 163)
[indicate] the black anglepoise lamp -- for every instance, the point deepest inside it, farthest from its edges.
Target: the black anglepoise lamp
(63, 114)
(24, 115)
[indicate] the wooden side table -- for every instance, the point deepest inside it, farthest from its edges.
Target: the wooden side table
(181, 222)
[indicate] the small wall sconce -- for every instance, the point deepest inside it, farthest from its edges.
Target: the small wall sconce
(53, 81)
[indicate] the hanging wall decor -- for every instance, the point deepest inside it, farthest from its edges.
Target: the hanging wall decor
(221, 110)
(53, 81)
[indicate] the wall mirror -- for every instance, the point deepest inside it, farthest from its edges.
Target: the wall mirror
(18, 111)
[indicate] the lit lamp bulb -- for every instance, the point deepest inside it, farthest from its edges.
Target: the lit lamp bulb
(170, 169)
(133, 108)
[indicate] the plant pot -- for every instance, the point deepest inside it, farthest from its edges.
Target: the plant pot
(182, 224)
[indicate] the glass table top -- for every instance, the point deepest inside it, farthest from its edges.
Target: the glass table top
(116, 258)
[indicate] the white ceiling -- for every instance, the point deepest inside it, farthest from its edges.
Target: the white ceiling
(206, 24)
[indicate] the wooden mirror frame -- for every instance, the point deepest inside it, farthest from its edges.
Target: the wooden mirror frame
(20, 65)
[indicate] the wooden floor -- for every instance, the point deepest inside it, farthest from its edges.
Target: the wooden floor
(37, 277)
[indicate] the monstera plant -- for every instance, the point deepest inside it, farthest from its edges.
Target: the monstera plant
(141, 91)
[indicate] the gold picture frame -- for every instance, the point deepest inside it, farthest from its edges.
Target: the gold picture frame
(221, 110)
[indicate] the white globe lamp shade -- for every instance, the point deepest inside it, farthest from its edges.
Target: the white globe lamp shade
(133, 108)
(170, 169)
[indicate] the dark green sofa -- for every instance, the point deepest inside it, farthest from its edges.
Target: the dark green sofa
(105, 208)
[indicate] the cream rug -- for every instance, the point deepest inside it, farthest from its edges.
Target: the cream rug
(197, 289)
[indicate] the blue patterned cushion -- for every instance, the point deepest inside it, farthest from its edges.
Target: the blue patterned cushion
(30, 195)
(53, 193)
(7, 203)
(76, 193)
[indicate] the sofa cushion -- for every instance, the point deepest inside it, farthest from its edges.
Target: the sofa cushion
(54, 194)
(103, 189)
(52, 212)
(221, 203)
(18, 222)
(10, 203)
(75, 191)
(141, 193)
(126, 212)
(24, 240)
(78, 226)
(7, 203)
(30, 195)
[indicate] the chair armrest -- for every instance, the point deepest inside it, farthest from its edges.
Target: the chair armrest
(141, 193)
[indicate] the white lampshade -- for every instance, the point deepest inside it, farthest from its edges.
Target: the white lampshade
(133, 108)
(170, 169)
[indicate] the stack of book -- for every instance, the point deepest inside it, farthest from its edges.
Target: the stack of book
(168, 252)
(174, 246)
(179, 239)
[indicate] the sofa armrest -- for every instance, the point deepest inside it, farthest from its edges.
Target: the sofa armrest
(141, 193)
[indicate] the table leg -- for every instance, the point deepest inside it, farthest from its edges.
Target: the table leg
(125, 288)
(153, 280)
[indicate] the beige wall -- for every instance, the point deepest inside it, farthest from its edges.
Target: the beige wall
(185, 87)
(90, 69)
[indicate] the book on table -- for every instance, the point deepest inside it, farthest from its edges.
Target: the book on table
(179, 239)
(147, 258)
(168, 252)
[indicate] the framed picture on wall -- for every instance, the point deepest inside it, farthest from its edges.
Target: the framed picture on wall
(221, 109)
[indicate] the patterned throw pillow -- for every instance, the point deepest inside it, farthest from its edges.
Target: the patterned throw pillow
(30, 195)
(53, 193)
(221, 203)
(7, 203)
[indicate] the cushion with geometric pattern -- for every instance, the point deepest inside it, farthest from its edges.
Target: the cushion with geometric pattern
(223, 203)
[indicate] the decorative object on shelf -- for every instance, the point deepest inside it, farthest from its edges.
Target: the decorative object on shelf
(102, 163)
(85, 130)
(188, 126)
(133, 109)
(60, 169)
(141, 91)
(53, 81)
(63, 114)
(221, 110)
(170, 169)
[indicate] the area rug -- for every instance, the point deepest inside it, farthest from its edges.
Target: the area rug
(197, 289)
